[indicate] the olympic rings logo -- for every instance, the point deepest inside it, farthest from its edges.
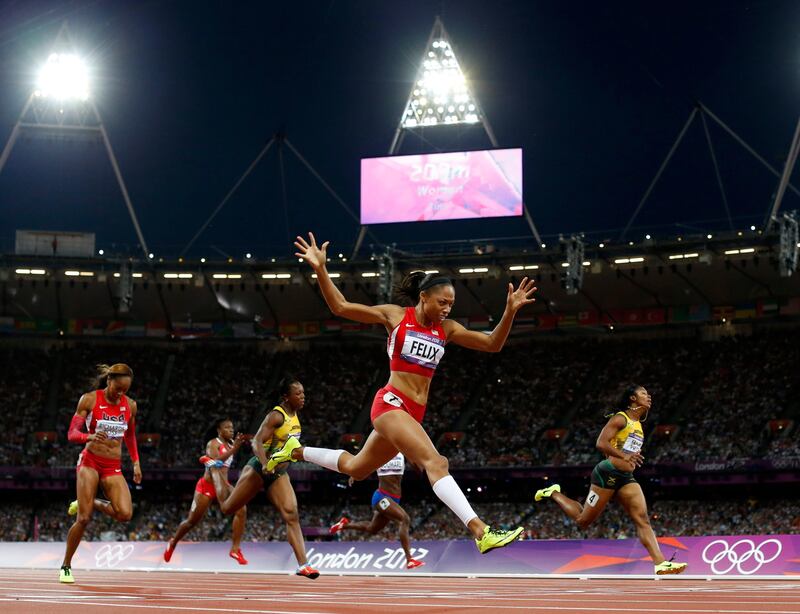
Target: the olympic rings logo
(111, 555)
(743, 555)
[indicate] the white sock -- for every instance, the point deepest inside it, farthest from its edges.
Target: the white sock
(453, 497)
(323, 457)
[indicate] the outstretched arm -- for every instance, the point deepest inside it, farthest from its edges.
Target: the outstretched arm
(494, 341)
(212, 449)
(316, 256)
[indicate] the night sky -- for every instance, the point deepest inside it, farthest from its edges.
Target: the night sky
(595, 93)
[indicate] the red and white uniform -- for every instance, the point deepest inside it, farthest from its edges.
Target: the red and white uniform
(396, 466)
(206, 486)
(412, 348)
(110, 419)
(113, 421)
(223, 447)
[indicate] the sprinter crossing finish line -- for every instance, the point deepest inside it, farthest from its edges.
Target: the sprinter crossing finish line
(418, 335)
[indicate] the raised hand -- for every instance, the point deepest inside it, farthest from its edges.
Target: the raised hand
(522, 296)
(315, 255)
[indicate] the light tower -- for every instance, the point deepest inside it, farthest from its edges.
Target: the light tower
(61, 105)
(572, 278)
(441, 96)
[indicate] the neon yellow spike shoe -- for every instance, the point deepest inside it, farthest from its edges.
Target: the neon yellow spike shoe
(666, 568)
(284, 455)
(73, 508)
(496, 538)
(546, 492)
(65, 575)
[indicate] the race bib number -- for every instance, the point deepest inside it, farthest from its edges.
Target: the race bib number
(633, 444)
(112, 428)
(392, 399)
(384, 504)
(591, 500)
(422, 349)
(396, 466)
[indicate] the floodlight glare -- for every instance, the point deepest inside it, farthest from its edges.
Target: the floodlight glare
(63, 77)
(441, 79)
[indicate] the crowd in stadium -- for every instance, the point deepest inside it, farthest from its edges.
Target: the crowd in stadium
(543, 402)
(536, 403)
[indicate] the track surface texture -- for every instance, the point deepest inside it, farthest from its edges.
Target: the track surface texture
(162, 592)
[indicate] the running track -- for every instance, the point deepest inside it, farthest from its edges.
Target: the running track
(129, 591)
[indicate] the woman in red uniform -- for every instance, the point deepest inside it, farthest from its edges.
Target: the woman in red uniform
(417, 339)
(220, 449)
(109, 416)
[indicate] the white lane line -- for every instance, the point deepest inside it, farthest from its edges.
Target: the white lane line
(166, 607)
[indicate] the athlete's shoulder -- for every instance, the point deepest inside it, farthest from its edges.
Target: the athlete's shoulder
(89, 399)
(619, 417)
(278, 411)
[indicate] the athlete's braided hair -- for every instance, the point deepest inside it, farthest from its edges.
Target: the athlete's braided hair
(285, 385)
(408, 289)
(625, 399)
(104, 372)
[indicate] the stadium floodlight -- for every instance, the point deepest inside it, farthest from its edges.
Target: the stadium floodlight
(63, 77)
(441, 96)
(60, 103)
(441, 93)
(574, 248)
(789, 255)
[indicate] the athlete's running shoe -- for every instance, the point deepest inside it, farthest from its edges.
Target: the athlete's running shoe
(168, 552)
(65, 575)
(666, 568)
(211, 463)
(307, 570)
(284, 455)
(496, 538)
(546, 492)
(238, 557)
(73, 508)
(343, 522)
(412, 563)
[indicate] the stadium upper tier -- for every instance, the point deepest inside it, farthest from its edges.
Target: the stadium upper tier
(266, 298)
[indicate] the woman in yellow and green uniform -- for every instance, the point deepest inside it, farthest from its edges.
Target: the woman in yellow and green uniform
(621, 441)
(280, 424)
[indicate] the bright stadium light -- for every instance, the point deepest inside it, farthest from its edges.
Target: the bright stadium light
(61, 102)
(441, 94)
(63, 77)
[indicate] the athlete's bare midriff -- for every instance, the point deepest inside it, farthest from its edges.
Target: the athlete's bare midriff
(416, 387)
(108, 448)
(390, 484)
